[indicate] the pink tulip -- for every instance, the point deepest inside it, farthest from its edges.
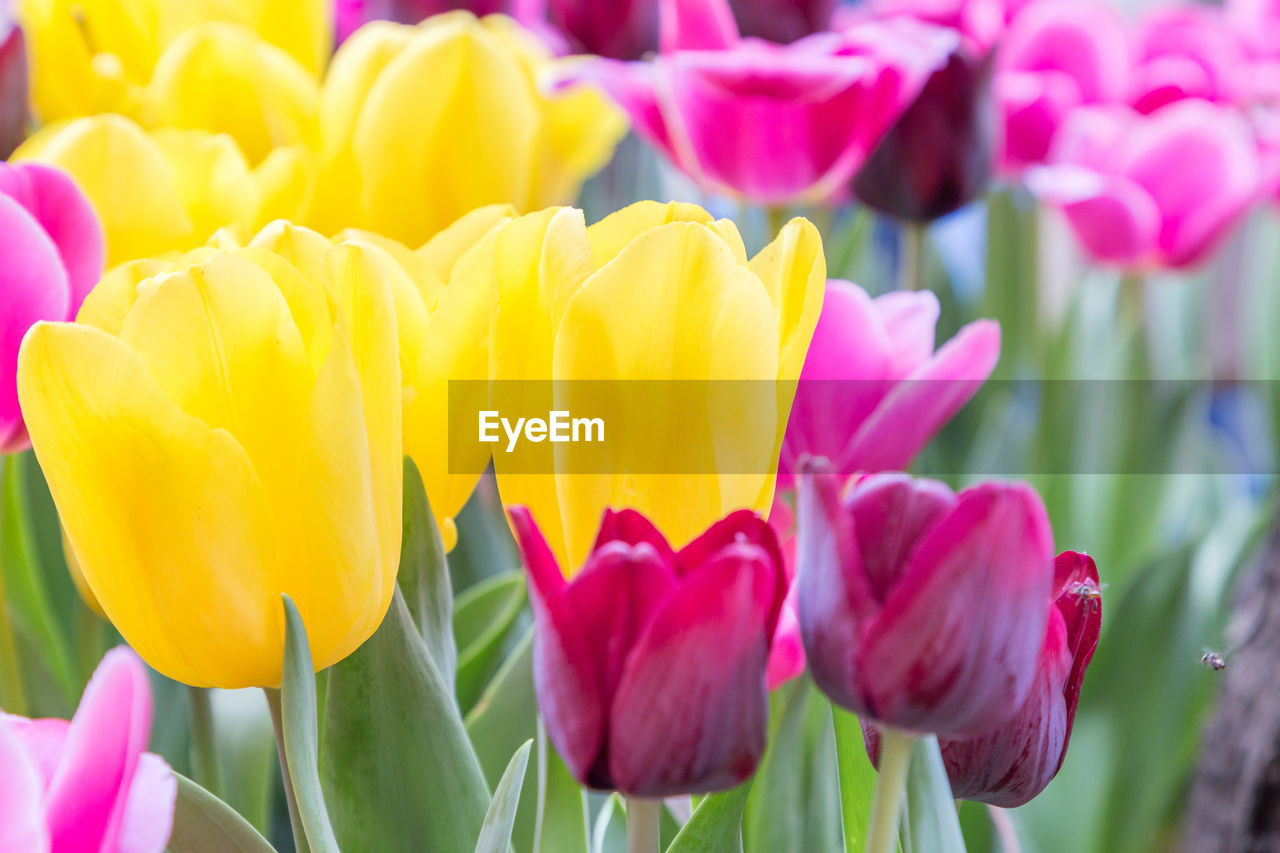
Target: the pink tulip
(618, 29)
(1258, 24)
(786, 657)
(52, 245)
(776, 124)
(782, 21)
(87, 785)
(923, 609)
(15, 102)
(1156, 191)
(1057, 55)
(873, 391)
(649, 664)
(1188, 52)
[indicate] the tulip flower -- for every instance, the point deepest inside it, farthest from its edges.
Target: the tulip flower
(570, 310)
(873, 391)
(218, 430)
(1057, 55)
(168, 190)
(782, 21)
(1257, 22)
(1151, 192)
(15, 110)
(87, 784)
(51, 243)
(96, 57)
(1011, 764)
(404, 161)
(618, 29)
(775, 124)
(649, 665)
(922, 609)
(443, 336)
(1188, 52)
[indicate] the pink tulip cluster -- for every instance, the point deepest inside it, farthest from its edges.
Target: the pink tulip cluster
(88, 784)
(52, 244)
(14, 106)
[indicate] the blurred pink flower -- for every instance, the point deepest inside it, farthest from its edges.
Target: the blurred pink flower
(1258, 24)
(87, 785)
(52, 244)
(776, 124)
(1188, 52)
(873, 391)
(1057, 55)
(782, 21)
(618, 29)
(980, 23)
(920, 608)
(1155, 191)
(786, 657)
(15, 99)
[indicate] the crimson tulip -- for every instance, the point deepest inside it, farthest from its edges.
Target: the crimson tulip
(782, 21)
(649, 664)
(15, 100)
(618, 29)
(922, 609)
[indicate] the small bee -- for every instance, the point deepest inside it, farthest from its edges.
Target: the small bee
(1086, 594)
(1214, 661)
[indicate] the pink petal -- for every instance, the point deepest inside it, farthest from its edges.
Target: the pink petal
(148, 812)
(633, 86)
(21, 828)
(1082, 39)
(956, 646)
(86, 799)
(690, 713)
(742, 527)
(910, 319)
(1115, 219)
(891, 512)
(786, 655)
(66, 215)
(696, 25)
(917, 407)
(1033, 106)
(631, 527)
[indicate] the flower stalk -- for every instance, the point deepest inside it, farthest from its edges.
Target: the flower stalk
(643, 825)
(891, 784)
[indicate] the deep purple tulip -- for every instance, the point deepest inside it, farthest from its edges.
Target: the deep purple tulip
(617, 29)
(15, 97)
(649, 664)
(920, 608)
(782, 21)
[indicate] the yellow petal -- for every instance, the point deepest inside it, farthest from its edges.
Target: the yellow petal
(611, 234)
(128, 178)
(224, 78)
(302, 28)
(213, 179)
(166, 516)
(794, 272)
(444, 249)
(286, 184)
(580, 130)
(302, 247)
(109, 302)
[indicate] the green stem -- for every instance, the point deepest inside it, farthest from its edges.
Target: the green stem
(891, 784)
(295, 816)
(911, 260)
(203, 740)
(12, 696)
(643, 824)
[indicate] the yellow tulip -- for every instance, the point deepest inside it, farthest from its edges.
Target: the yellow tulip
(169, 190)
(444, 335)
(224, 78)
(654, 292)
(95, 56)
(404, 159)
(218, 430)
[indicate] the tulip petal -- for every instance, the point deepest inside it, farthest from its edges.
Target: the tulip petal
(631, 527)
(148, 812)
(114, 449)
(442, 251)
(910, 319)
(85, 803)
(891, 512)
(972, 604)
(213, 180)
(612, 234)
(21, 788)
(696, 25)
(737, 528)
(794, 272)
(917, 407)
(678, 724)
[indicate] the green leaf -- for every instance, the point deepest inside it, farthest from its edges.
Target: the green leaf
(298, 717)
(930, 823)
(204, 824)
(397, 767)
(495, 834)
(424, 575)
(774, 818)
(561, 817)
(716, 824)
(484, 616)
(609, 834)
(857, 779)
(246, 754)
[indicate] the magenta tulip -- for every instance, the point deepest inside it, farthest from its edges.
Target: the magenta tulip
(1057, 55)
(1188, 52)
(87, 785)
(649, 664)
(1258, 24)
(15, 99)
(617, 29)
(873, 391)
(782, 21)
(786, 657)
(776, 124)
(1151, 192)
(922, 609)
(52, 245)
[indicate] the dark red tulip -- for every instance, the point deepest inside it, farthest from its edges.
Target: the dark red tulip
(920, 608)
(15, 99)
(649, 664)
(782, 21)
(1011, 764)
(940, 154)
(617, 29)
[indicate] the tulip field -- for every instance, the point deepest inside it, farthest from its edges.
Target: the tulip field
(624, 426)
